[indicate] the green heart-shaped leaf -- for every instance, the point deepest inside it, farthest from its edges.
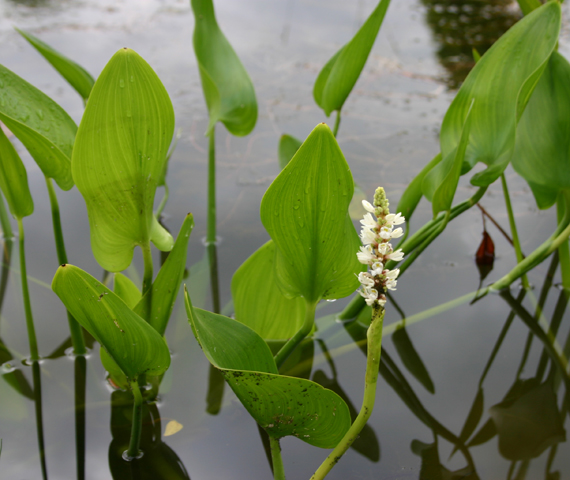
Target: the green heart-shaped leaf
(74, 74)
(40, 124)
(229, 93)
(338, 77)
(259, 303)
(14, 180)
(130, 341)
(281, 405)
(542, 152)
(305, 211)
(119, 156)
(501, 84)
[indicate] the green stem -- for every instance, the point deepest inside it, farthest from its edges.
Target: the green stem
(214, 279)
(77, 339)
(514, 232)
(336, 123)
(133, 452)
(147, 258)
(296, 339)
(278, 470)
(36, 375)
(211, 235)
(163, 201)
(26, 294)
(5, 221)
(562, 207)
(374, 340)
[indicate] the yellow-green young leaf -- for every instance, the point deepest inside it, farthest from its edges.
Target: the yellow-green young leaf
(14, 180)
(501, 84)
(337, 78)
(126, 290)
(130, 341)
(228, 90)
(281, 405)
(165, 287)
(119, 156)
(73, 73)
(441, 182)
(40, 124)
(305, 211)
(542, 153)
(258, 301)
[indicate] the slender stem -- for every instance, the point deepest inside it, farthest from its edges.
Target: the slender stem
(80, 367)
(374, 339)
(5, 221)
(26, 294)
(336, 123)
(77, 339)
(494, 222)
(514, 232)
(133, 452)
(563, 250)
(39, 415)
(296, 339)
(211, 235)
(278, 470)
(147, 258)
(214, 280)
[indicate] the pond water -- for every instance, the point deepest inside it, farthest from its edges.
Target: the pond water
(389, 131)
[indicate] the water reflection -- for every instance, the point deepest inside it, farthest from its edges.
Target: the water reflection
(460, 26)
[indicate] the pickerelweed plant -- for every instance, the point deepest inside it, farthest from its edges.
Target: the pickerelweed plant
(513, 108)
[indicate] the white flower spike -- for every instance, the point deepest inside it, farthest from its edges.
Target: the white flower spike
(375, 235)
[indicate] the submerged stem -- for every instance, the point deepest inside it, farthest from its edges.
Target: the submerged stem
(211, 235)
(26, 294)
(133, 452)
(374, 350)
(296, 339)
(278, 469)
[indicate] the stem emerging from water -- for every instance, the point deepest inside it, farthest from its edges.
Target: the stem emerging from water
(133, 452)
(374, 340)
(26, 294)
(278, 470)
(296, 339)
(211, 235)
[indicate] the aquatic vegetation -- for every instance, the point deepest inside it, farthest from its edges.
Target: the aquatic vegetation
(511, 109)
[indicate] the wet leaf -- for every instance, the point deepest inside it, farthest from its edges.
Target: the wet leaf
(281, 405)
(338, 77)
(305, 211)
(126, 290)
(528, 421)
(501, 84)
(129, 340)
(542, 150)
(411, 359)
(119, 157)
(40, 124)
(166, 285)
(288, 146)
(229, 93)
(172, 428)
(73, 73)
(14, 180)
(258, 301)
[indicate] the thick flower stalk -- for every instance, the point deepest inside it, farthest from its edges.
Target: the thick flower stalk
(377, 231)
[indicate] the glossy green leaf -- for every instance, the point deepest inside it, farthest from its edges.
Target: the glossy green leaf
(288, 146)
(119, 157)
(126, 290)
(40, 124)
(441, 182)
(542, 152)
(166, 285)
(501, 84)
(14, 180)
(281, 405)
(411, 359)
(338, 77)
(228, 90)
(130, 341)
(545, 196)
(73, 73)
(305, 212)
(528, 421)
(258, 301)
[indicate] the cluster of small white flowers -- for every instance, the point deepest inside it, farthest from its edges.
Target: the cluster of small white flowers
(377, 231)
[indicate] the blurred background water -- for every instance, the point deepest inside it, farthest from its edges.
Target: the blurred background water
(389, 131)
